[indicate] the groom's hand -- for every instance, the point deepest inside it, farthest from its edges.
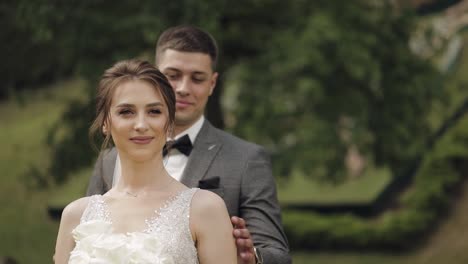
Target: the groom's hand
(244, 243)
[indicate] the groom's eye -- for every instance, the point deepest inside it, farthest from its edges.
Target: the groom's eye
(171, 75)
(198, 80)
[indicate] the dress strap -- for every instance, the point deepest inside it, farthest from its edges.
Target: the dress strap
(95, 210)
(172, 211)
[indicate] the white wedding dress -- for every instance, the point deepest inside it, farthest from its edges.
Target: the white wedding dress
(166, 240)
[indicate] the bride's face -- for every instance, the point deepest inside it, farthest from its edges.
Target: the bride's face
(138, 116)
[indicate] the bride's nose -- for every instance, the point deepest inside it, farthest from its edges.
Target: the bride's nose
(141, 125)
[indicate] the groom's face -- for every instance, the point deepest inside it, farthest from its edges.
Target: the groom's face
(193, 80)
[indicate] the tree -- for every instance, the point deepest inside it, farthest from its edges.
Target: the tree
(316, 77)
(334, 79)
(129, 29)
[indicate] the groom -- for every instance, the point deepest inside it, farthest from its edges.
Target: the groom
(208, 158)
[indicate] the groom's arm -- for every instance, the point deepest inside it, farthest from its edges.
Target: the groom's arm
(260, 209)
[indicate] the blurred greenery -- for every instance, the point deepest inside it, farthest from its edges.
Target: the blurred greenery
(318, 81)
(417, 211)
(28, 233)
(363, 189)
(333, 80)
(317, 86)
(74, 188)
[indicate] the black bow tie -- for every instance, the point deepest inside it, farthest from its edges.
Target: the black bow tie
(183, 144)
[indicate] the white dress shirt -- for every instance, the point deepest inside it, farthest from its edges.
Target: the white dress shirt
(175, 161)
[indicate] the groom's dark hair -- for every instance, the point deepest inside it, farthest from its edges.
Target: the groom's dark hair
(188, 39)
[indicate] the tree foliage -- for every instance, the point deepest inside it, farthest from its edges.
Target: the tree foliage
(335, 79)
(29, 52)
(307, 79)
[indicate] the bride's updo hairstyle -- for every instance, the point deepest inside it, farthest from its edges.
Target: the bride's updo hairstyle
(119, 73)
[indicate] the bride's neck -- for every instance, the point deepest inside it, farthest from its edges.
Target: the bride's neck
(140, 175)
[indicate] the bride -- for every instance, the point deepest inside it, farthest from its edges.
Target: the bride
(147, 217)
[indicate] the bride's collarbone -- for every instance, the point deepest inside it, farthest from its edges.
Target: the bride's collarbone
(122, 206)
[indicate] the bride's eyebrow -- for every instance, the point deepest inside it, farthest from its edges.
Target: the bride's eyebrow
(155, 104)
(124, 105)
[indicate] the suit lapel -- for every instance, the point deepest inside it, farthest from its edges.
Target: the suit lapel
(205, 149)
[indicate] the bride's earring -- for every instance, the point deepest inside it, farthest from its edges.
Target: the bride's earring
(166, 157)
(104, 130)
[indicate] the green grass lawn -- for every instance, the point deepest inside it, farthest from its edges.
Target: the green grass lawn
(27, 232)
(299, 189)
(348, 258)
(447, 245)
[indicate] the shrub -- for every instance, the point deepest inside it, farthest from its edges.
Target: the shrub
(419, 208)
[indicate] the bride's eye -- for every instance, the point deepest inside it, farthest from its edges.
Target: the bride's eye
(155, 111)
(125, 112)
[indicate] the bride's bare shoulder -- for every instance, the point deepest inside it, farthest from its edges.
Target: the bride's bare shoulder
(74, 210)
(206, 202)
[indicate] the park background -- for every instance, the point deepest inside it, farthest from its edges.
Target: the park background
(362, 105)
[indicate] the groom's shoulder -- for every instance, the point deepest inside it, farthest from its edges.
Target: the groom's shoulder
(234, 142)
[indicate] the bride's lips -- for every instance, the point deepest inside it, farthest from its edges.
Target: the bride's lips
(183, 104)
(141, 140)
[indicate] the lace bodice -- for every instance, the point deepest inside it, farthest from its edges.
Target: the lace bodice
(167, 238)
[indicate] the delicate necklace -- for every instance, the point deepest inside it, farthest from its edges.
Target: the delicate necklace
(135, 195)
(131, 194)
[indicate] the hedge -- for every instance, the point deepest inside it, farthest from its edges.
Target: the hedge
(402, 226)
